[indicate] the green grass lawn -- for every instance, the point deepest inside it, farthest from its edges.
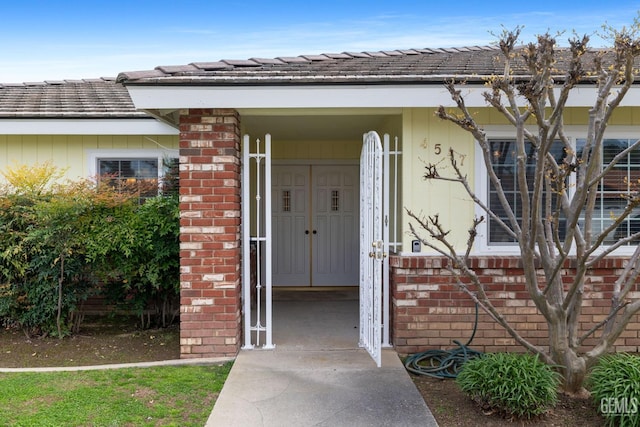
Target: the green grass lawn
(158, 396)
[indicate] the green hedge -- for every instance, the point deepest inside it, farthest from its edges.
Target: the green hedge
(60, 244)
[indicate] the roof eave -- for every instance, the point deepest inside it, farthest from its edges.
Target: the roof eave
(84, 126)
(228, 81)
(416, 95)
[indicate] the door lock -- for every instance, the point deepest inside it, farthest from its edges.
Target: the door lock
(377, 252)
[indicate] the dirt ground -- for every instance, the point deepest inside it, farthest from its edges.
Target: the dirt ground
(99, 342)
(103, 341)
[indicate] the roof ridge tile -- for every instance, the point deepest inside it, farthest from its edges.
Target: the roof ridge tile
(316, 57)
(241, 62)
(210, 66)
(293, 59)
(268, 61)
(378, 53)
(171, 69)
(338, 55)
(358, 54)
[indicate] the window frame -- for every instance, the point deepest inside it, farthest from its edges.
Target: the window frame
(481, 183)
(94, 156)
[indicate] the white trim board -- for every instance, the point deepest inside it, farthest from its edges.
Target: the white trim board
(18, 126)
(122, 153)
(328, 96)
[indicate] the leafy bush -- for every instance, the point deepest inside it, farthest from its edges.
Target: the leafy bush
(614, 383)
(31, 179)
(43, 271)
(58, 241)
(517, 385)
(137, 257)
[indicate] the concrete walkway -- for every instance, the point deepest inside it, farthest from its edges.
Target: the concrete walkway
(319, 388)
(317, 375)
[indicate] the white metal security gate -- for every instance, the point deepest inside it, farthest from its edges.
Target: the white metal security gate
(375, 177)
(372, 247)
(256, 231)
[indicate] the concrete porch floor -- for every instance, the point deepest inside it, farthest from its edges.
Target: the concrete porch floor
(317, 375)
(316, 319)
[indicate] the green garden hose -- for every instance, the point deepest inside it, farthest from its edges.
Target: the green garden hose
(443, 363)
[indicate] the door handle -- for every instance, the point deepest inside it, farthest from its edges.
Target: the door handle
(306, 231)
(315, 232)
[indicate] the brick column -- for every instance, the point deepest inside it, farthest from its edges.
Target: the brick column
(210, 317)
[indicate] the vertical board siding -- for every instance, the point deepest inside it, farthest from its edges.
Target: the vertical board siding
(69, 151)
(427, 139)
(422, 130)
(312, 149)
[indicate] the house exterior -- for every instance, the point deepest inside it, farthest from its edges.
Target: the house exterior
(78, 125)
(315, 110)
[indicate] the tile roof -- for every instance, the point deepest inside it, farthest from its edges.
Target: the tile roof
(346, 67)
(109, 98)
(395, 66)
(90, 98)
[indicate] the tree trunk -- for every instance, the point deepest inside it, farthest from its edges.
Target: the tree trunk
(60, 282)
(575, 371)
(573, 368)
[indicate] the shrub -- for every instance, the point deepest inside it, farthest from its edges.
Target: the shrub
(58, 241)
(615, 387)
(43, 273)
(31, 180)
(517, 385)
(137, 257)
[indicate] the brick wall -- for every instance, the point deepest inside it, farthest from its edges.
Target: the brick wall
(429, 311)
(209, 233)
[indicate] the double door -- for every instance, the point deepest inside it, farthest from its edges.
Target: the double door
(315, 214)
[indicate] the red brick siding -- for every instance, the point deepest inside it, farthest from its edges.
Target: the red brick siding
(429, 311)
(210, 316)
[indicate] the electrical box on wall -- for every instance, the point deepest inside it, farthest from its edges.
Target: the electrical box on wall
(416, 246)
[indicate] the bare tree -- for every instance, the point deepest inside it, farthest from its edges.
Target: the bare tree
(556, 189)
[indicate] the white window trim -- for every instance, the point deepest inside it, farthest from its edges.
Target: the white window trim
(481, 178)
(101, 154)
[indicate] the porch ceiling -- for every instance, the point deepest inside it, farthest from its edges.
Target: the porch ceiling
(313, 127)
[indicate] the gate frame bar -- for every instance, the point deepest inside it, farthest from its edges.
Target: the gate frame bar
(265, 239)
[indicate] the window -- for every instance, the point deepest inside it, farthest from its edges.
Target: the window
(503, 158)
(611, 197)
(130, 174)
(621, 180)
(335, 200)
(146, 171)
(286, 201)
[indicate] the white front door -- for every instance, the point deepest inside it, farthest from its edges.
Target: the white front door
(315, 218)
(290, 225)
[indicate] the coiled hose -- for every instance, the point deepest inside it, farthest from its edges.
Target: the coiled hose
(443, 363)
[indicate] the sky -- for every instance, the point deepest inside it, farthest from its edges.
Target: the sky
(58, 39)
